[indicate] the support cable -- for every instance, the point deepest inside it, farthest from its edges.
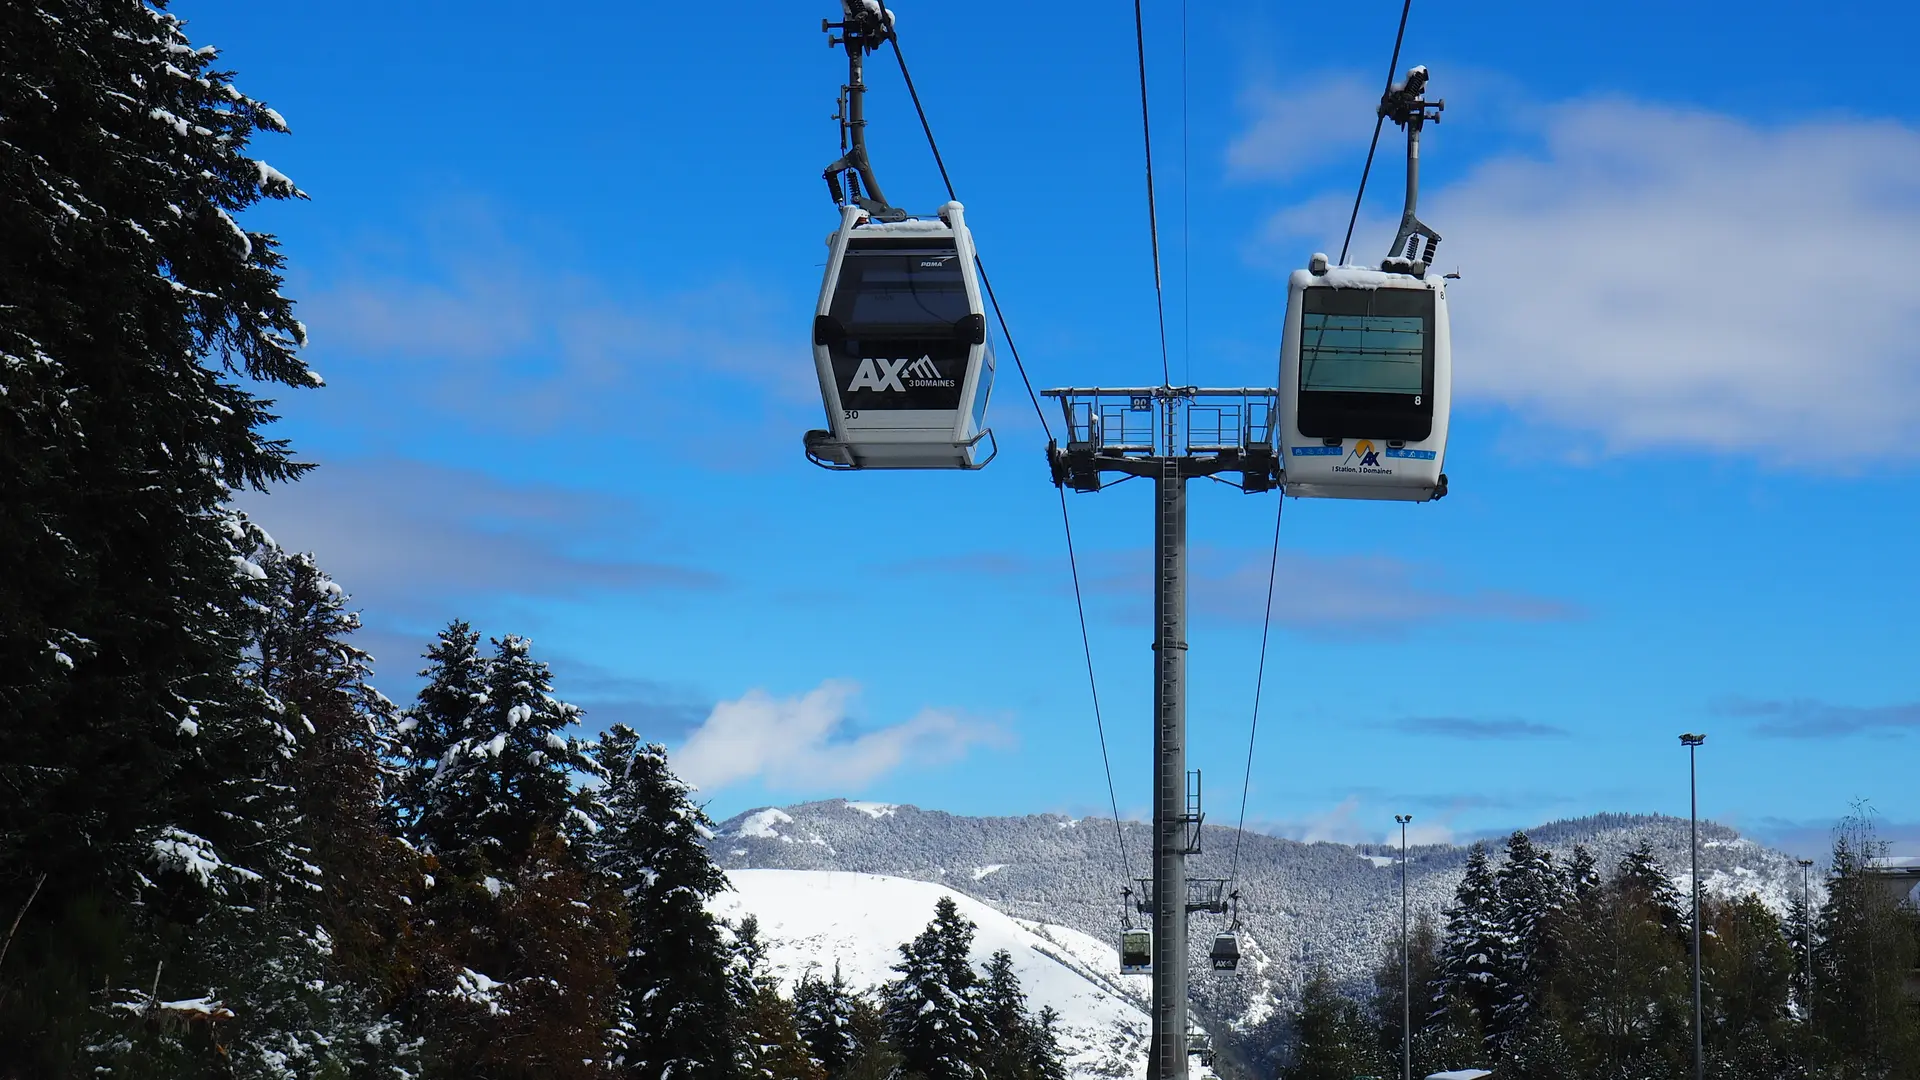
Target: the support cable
(1186, 204)
(985, 282)
(1259, 679)
(1073, 562)
(1393, 68)
(1153, 216)
(1086, 645)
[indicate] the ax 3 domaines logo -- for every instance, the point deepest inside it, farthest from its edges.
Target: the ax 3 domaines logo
(883, 374)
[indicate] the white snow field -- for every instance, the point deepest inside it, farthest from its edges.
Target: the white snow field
(813, 919)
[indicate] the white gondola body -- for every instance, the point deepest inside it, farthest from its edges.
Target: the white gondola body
(900, 347)
(1366, 385)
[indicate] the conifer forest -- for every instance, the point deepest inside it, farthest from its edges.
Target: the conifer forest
(225, 853)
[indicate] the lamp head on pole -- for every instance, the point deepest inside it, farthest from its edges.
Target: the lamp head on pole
(1403, 818)
(1692, 740)
(1804, 862)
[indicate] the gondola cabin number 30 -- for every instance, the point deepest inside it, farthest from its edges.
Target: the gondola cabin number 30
(900, 345)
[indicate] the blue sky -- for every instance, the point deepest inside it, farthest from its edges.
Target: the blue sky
(559, 262)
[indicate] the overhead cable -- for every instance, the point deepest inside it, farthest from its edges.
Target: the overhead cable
(905, 75)
(1073, 562)
(1259, 681)
(1393, 68)
(1153, 217)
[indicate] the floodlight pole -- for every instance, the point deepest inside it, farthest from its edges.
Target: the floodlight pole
(1692, 743)
(1406, 971)
(1171, 434)
(1806, 943)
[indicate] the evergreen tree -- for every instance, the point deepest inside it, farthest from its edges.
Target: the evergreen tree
(340, 950)
(1747, 973)
(1007, 1030)
(1622, 990)
(1641, 874)
(1422, 954)
(645, 838)
(1865, 947)
(931, 1012)
(446, 708)
(132, 307)
(770, 1043)
(504, 773)
(1332, 1037)
(1473, 954)
(1583, 879)
(1043, 1051)
(876, 1058)
(827, 1014)
(523, 942)
(1532, 901)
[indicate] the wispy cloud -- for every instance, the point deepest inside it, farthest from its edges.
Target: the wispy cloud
(474, 325)
(1312, 591)
(1658, 277)
(1476, 728)
(806, 743)
(1804, 718)
(414, 539)
(1302, 126)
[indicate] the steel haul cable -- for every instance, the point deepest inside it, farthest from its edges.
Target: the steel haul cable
(1259, 682)
(1073, 562)
(1393, 68)
(1153, 216)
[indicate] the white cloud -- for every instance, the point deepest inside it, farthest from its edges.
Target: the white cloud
(1296, 129)
(802, 742)
(1655, 277)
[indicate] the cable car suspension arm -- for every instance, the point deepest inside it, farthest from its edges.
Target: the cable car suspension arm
(868, 25)
(1405, 106)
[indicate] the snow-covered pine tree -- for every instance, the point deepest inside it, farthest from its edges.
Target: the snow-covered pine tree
(770, 1046)
(931, 1010)
(488, 764)
(1006, 1028)
(1532, 903)
(132, 304)
(1583, 877)
(446, 708)
(1641, 874)
(644, 834)
(522, 942)
(1473, 953)
(827, 1013)
(315, 961)
(1044, 1060)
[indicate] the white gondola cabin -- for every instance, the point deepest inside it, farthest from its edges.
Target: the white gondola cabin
(1136, 952)
(900, 346)
(1366, 384)
(1225, 953)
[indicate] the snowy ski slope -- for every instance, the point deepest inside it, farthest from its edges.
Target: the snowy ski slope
(814, 919)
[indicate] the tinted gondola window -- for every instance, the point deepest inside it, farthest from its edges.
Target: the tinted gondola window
(1366, 363)
(899, 328)
(895, 292)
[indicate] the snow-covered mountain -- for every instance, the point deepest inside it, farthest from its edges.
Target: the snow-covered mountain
(813, 920)
(1302, 905)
